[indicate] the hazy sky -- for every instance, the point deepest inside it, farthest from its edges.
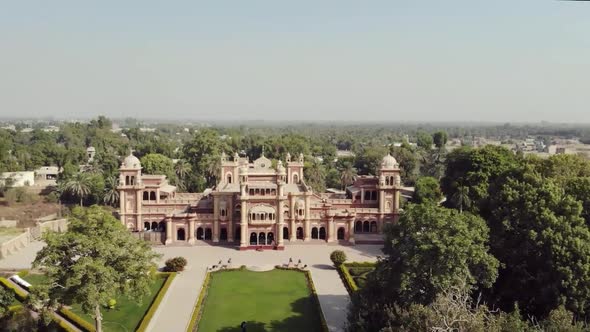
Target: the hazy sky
(500, 60)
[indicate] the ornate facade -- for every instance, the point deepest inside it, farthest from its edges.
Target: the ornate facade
(256, 204)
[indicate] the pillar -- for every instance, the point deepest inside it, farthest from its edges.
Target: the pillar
(293, 229)
(351, 230)
(191, 231)
(138, 202)
(307, 229)
(244, 225)
(280, 217)
(396, 200)
(168, 231)
(215, 218)
(362, 195)
(230, 219)
(122, 208)
(330, 229)
(381, 200)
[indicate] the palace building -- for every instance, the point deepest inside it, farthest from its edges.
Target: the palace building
(257, 205)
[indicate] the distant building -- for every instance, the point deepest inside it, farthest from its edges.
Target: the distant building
(344, 154)
(9, 127)
(51, 129)
(90, 152)
(17, 179)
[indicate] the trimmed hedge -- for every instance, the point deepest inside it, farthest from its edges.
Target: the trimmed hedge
(199, 306)
(76, 320)
(314, 294)
(62, 324)
(20, 295)
(349, 283)
(145, 321)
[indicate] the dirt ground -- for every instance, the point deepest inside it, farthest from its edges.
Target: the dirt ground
(27, 213)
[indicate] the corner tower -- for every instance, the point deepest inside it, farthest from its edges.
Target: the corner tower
(130, 190)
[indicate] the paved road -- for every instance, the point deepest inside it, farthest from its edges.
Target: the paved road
(175, 310)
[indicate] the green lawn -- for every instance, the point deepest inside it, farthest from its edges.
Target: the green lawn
(125, 317)
(276, 300)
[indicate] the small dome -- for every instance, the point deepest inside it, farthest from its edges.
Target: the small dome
(131, 162)
(389, 162)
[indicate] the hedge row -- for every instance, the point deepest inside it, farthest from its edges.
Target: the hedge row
(192, 325)
(349, 283)
(314, 294)
(145, 321)
(361, 264)
(20, 295)
(76, 320)
(62, 324)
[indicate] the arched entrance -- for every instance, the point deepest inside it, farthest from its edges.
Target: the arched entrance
(373, 226)
(285, 233)
(208, 233)
(299, 233)
(223, 234)
(322, 233)
(180, 234)
(146, 226)
(270, 237)
(238, 234)
(253, 239)
(154, 226)
(162, 226)
(366, 227)
(340, 233)
(200, 233)
(261, 238)
(358, 226)
(314, 233)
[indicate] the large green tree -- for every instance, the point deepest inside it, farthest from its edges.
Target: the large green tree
(97, 259)
(427, 189)
(428, 250)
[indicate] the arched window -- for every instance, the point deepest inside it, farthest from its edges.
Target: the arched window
(253, 239)
(295, 178)
(358, 226)
(285, 233)
(146, 226)
(366, 227)
(208, 234)
(200, 233)
(261, 238)
(154, 225)
(162, 226)
(322, 233)
(387, 181)
(340, 233)
(145, 196)
(373, 226)
(152, 195)
(229, 178)
(180, 234)
(314, 233)
(299, 233)
(127, 182)
(132, 180)
(223, 234)
(270, 237)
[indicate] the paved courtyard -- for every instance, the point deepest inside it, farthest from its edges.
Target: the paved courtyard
(175, 310)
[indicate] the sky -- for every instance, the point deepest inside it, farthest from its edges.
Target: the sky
(391, 61)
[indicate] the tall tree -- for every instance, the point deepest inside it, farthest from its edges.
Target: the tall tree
(440, 139)
(347, 175)
(111, 194)
(97, 259)
(427, 190)
(428, 250)
(79, 185)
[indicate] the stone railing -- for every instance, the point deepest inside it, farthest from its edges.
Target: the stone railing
(21, 241)
(15, 244)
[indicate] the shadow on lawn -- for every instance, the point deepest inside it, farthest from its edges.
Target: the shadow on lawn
(306, 318)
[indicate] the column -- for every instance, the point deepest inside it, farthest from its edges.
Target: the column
(215, 218)
(191, 231)
(168, 231)
(280, 217)
(381, 201)
(330, 228)
(307, 229)
(122, 208)
(138, 202)
(244, 225)
(230, 219)
(362, 195)
(351, 230)
(292, 228)
(396, 200)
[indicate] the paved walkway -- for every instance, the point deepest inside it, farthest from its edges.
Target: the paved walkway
(175, 309)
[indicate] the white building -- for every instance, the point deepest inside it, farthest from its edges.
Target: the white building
(17, 179)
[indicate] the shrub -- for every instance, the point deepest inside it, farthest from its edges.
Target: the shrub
(175, 264)
(338, 257)
(112, 303)
(52, 197)
(20, 195)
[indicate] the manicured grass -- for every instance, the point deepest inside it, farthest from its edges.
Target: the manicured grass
(277, 300)
(125, 317)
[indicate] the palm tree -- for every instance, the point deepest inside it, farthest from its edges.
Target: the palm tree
(111, 194)
(79, 186)
(182, 168)
(212, 169)
(347, 175)
(461, 197)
